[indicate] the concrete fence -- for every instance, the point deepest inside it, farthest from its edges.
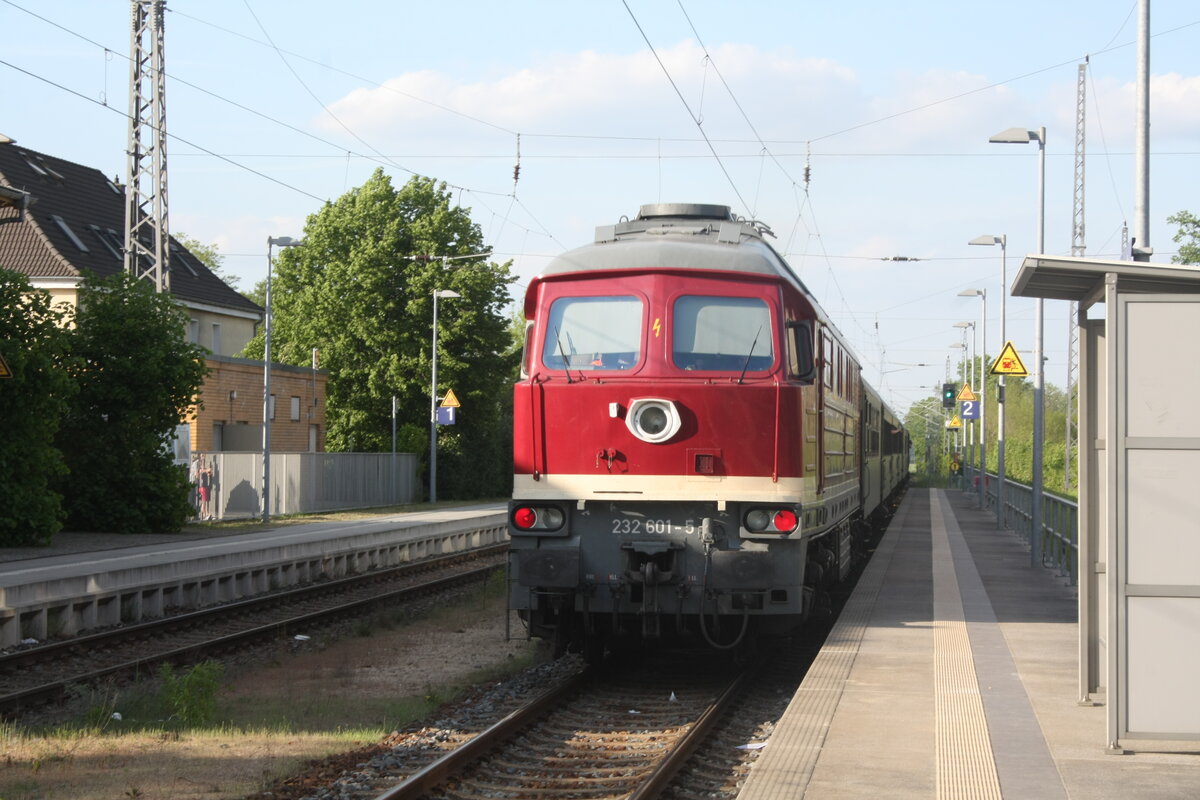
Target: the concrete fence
(306, 482)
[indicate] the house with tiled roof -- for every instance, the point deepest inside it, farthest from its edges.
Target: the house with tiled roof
(59, 220)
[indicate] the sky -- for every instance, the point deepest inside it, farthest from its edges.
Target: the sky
(857, 131)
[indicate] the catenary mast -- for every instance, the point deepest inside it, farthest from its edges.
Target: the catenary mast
(147, 237)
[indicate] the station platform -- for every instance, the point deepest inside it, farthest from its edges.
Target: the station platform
(953, 672)
(87, 581)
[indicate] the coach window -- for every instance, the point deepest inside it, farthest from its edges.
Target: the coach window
(587, 333)
(827, 361)
(725, 334)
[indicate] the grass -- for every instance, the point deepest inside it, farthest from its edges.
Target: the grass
(267, 723)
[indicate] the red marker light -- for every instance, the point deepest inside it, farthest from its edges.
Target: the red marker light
(525, 518)
(785, 520)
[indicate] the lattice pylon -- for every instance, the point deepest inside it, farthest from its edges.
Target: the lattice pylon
(147, 235)
(1077, 249)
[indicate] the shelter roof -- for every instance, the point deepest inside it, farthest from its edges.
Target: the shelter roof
(1082, 279)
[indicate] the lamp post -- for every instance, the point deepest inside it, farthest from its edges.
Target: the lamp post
(1002, 240)
(433, 396)
(281, 241)
(1023, 136)
(982, 294)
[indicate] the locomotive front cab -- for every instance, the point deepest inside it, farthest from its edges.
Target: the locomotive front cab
(665, 443)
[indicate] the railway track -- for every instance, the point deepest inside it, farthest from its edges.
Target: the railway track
(597, 734)
(559, 748)
(36, 676)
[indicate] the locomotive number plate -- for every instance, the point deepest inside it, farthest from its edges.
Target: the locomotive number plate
(635, 526)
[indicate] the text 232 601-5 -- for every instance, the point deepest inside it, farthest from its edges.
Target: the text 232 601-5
(633, 527)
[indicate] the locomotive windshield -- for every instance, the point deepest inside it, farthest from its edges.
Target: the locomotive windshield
(728, 334)
(593, 333)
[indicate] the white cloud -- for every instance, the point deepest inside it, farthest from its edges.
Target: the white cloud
(593, 93)
(1174, 110)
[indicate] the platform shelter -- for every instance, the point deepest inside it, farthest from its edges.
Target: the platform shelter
(1139, 539)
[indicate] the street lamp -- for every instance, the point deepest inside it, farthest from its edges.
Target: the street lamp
(281, 241)
(1002, 240)
(982, 294)
(1023, 136)
(433, 396)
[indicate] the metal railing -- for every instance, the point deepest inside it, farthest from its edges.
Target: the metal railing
(1060, 520)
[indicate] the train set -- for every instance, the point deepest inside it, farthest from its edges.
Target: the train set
(696, 454)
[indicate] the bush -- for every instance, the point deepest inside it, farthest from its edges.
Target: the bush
(35, 346)
(137, 377)
(191, 697)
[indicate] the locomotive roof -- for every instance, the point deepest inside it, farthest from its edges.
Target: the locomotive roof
(681, 236)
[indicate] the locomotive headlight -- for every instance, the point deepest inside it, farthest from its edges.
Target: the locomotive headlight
(536, 519)
(758, 520)
(653, 420)
(771, 520)
(785, 520)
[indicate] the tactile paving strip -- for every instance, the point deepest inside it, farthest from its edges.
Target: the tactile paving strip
(965, 767)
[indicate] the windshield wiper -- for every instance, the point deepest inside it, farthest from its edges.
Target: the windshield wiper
(563, 354)
(750, 355)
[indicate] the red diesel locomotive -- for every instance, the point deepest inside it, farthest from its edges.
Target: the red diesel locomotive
(695, 452)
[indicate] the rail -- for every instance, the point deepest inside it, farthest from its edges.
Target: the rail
(670, 755)
(1060, 520)
(40, 674)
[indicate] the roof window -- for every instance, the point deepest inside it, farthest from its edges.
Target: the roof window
(179, 256)
(70, 233)
(39, 165)
(106, 240)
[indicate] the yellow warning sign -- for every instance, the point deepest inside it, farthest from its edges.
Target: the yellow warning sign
(1009, 363)
(966, 394)
(954, 423)
(5, 372)
(450, 401)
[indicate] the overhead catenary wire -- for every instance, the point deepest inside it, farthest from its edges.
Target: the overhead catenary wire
(692, 114)
(314, 96)
(342, 151)
(173, 136)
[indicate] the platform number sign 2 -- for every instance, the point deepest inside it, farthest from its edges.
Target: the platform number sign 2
(970, 409)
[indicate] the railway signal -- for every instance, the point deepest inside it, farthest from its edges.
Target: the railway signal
(949, 395)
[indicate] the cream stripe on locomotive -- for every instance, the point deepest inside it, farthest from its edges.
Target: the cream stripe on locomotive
(720, 488)
(817, 514)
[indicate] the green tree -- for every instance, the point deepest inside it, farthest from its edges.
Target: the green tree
(361, 290)
(1188, 238)
(137, 376)
(35, 347)
(1018, 430)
